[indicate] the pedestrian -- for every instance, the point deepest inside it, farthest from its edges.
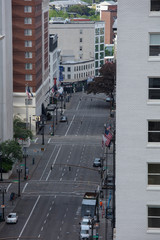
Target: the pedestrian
(100, 204)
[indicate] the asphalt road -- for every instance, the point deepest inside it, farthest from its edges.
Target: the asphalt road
(50, 204)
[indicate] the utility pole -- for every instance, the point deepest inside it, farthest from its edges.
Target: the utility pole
(1, 179)
(19, 170)
(3, 206)
(114, 176)
(42, 130)
(25, 158)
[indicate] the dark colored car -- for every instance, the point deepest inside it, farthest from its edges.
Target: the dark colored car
(63, 119)
(97, 162)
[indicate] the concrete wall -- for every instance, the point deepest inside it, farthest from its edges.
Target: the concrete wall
(134, 66)
(6, 72)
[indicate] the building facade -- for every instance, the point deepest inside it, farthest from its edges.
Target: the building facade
(109, 16)
(138, 121)
(6, 71)
(80, 41)
(30, 57)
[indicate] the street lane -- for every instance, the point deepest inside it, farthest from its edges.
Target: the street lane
(64, 173)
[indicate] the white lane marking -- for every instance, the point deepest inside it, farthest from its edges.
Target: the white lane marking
(47, 163)
(45, 222)
(47, 214)
(69, 126)
(35, 140)
(39, 235)
(41, 229)
(74, 179)
(49, 140)
(54, 162)
(77, 106)
(24, 187)
(29, 217)
(8, 187)
(50, 209)
(61, 179)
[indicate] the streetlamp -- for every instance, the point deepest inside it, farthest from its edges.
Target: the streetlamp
(19, 170)
(1, 179)
(3, 206)
(25, 158)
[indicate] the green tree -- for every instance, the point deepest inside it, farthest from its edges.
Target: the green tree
(105, 83)
(11, 152)
(19, 129)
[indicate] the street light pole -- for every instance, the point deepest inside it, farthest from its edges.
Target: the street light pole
(1, 179)
(3, 206)
(19, 170)
(42, 130)
(25, 156)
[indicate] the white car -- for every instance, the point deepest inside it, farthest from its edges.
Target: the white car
(85, 232)
(12, 218)
(86, 221)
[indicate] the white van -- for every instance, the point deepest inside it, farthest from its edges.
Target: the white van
(85, 232)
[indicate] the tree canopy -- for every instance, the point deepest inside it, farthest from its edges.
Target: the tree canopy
(11, 152)
(105, 83)
(19, 129)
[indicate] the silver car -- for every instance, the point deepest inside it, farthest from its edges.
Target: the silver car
(12, 218)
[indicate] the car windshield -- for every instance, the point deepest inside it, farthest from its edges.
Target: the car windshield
(84, 231)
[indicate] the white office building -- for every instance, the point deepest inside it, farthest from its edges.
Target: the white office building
(80, 41)
(138, 121)
(6, 71)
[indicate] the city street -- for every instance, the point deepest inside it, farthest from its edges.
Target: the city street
(50, 204)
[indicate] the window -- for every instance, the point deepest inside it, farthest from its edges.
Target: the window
(27, 20)
(97, 40)
(154, 174)
(153, 131)
(28, 66)
(28, 32)
(27, 9)
(155, 5)
(102, 47)
(80, 48)
(101, 55)
(68, 69)
(97, 31)
(154, 88)
(153, 216)
(69, 76)
(80, 31)
(96, 64)
(96, 48)
(154, 45)
(28, 43)
(96, 56)
(80, 40)
(28, 54)
(101, 31)
(101, 39)
(28, 77)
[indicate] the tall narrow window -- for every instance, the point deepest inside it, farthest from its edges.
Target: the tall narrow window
(154, 88)
(154, 44)
(155, 5)
(28, 77)
(154, 217)
(154, 131)
(80, 39)
(154, 174)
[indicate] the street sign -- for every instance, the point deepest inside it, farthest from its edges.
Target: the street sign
(3, 206)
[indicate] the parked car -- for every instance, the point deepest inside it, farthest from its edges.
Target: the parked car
(12, 218)
(97, 162)
(63, 119)
(109, 181)
(109, 99)
(86, 220)
(85, 232)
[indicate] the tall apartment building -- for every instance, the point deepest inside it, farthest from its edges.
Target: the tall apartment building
(6, 79)
(109, 16)
(80, 41)
(138, 121)
(30, 56)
